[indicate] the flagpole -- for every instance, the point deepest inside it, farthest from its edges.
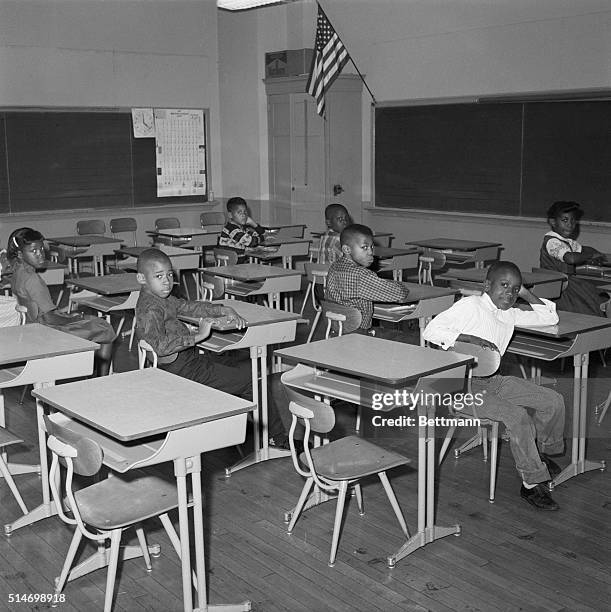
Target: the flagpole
(352, 60)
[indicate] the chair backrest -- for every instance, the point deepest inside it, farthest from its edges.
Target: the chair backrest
(90, 226)
(167, 223)
(146, 354)
(217, 284)
(212, 218)
(428, 261)
(225, 257)
(320, 415)
(340, 319)
(488, 361)
(316, 273)
(124, 225)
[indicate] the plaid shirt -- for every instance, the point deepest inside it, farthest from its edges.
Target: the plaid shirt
(329, 249)
(352, 285)
(157, 321)
(240, 236)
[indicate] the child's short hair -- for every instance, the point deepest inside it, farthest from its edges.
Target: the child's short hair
(352, 231)
(562, 207)
(149, 256)
(233, 203)
(22, 237)
(335, 207)
(502, 266)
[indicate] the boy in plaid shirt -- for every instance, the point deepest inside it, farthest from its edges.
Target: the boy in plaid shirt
(351, 283)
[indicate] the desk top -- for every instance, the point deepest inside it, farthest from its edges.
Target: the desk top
(382, 252)
(570, 325)
(110, 284)
(170, 251)
(36, 341)
(250, 272)
(423, 292)
(478, 275)
(319, 233)
(141, 403)
(453, 244)
(253, 314)
(83, 241)
(366, 357)
(181, 232)
(277, 241)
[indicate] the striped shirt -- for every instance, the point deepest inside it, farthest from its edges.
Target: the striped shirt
(240, 237)
(352, 285)
(477, 315)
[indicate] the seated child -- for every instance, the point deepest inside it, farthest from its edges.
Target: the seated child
(26, 254)
(488, 320)
(560, 251)
(337, 218)
(240, 232)
(157, 322)
(351, 283)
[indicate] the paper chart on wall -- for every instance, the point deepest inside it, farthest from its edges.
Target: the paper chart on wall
(181, 152)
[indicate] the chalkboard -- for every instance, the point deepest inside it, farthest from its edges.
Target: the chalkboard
(69, 160)
(497, 158)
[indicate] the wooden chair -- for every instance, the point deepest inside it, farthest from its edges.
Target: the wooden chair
(168, 223)
(488, 363)
(105, 509)
(338, 465)
(90, 227)
(316, 275)
(427, 262)
(224, 256)
(340, 319)
(146, 354)
(125, 226)
(213, 221)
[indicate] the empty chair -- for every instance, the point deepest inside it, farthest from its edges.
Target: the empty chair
(488, 363)
(91, 227)
(224, 256)
(213, 221)
(103, 510)
(338, 465)
(125, 228)
(164, 223)
(210, 287)
(427, 262)
(316, 275)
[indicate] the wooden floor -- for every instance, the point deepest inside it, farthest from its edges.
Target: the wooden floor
(509, 556)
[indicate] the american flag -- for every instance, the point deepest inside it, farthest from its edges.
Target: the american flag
(330, 56)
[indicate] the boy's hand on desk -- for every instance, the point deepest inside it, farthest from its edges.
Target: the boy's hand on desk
(233, 317)
(204, 329)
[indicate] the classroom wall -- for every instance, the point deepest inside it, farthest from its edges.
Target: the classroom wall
(110, 53)
(417, 49)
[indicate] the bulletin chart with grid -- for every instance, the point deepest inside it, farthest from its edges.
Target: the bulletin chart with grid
(181, 152)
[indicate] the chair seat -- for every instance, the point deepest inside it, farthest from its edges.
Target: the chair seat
(352, 457)
(7, 438)
(122, 500)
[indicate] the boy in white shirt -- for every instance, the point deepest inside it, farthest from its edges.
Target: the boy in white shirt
(488, 320)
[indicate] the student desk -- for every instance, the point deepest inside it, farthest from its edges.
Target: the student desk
(244, 280)
(462, 251)
(546, 284)
(97, 247)
(287, 248)
(198, 238)
(39, 355)
(286, 231)
(381, 239)
(352, 368)
(575, 335)
(108, 293)
(396, 260)
(423, 303)
(265, 326)
(147, 417)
